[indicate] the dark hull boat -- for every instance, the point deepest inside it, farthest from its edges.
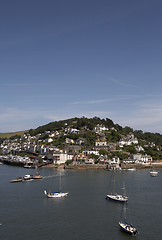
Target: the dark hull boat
(127, 227)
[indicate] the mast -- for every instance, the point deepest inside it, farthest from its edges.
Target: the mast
(114, 182)
(60, 182)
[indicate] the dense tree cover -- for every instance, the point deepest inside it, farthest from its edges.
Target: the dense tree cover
(15, 137)
(149, 137)
(119, 154)
(90, 136)
(156, 155)
(113, 136)
(78, 123)
(103, 152)
(130, 148)
(1, 140)
(93, 156)
(59, 141)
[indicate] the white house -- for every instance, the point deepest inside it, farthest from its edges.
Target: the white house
(48, 140)
(61, 158)
(100, 128)
(139, 158)
(139, 148)
(127, 142)
(101, 143)
(89, 161)
(88, 152)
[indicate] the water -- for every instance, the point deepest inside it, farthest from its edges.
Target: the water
(26, 213)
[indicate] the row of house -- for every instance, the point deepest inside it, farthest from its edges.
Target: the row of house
(34, 144)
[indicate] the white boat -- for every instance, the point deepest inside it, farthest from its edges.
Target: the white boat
(153, 173)
(27, 177)
(117, 197)
(131, 169)
(56, 194)
(114, 196)
(124, 224)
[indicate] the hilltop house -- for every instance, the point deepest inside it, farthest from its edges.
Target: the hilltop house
(128, 140)
(100, 128)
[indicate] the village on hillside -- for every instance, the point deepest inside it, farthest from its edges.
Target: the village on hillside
(72, 147)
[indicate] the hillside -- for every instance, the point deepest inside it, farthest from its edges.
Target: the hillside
(81, 134)
(11, 134)
(116, 133)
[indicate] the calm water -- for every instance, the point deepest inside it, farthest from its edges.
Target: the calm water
(85, 214)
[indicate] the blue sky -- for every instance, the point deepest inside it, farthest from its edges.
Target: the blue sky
(71, 58)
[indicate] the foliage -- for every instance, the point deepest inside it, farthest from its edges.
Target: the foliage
(103, 152)
(120, 155)
(78, 123)
(113, 136)
(93, 156)
(131, 149)
(149, 137)
(90, 136)
(15, 137)
(69, 162)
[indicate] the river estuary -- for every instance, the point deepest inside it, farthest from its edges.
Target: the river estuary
(27, 214)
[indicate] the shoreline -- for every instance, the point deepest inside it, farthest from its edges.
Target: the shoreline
(103, 167)
(122, 166)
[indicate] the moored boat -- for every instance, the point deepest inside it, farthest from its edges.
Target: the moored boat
(153, 173)
(57, 194)
(19, 179)
(114, 196)
(127, 227)
(131, 169)
(117, 197)
(37, 176)
(27, 177)
(124, 222)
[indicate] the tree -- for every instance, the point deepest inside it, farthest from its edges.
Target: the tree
(103, 152)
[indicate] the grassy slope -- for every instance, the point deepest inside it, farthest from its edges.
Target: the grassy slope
(8, 135)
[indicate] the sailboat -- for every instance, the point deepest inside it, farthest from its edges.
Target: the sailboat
(56, 194)
(114, 196)
(125, 225)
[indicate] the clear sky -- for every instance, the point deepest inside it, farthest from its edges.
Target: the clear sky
(71, 58)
